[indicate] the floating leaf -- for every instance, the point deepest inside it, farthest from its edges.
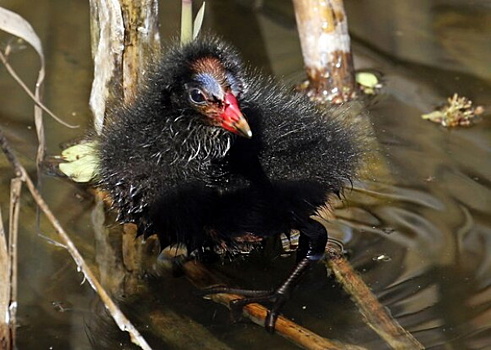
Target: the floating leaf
(368, 82)
(76, 152)
(367, 79)
(81, 162)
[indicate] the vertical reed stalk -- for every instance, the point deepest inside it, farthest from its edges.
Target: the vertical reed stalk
(323, 30)
(5, 273)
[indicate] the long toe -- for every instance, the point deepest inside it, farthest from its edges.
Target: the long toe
(275, 299)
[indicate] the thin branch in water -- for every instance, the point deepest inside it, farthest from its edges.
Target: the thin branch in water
(52, 241)
(123, 323)
(374, 313)
(14, 75)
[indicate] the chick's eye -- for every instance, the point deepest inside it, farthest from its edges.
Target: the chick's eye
(197, 96)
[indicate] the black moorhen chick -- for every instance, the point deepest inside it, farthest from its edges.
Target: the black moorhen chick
(212, 155)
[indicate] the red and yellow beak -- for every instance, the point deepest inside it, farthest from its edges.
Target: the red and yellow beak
(231, 118)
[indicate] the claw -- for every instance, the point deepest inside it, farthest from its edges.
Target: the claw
(270, 321)
(276, 298)
(236, 309)
(228, 290)
(274, 312)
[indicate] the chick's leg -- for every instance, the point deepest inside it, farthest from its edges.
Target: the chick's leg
(313, 239)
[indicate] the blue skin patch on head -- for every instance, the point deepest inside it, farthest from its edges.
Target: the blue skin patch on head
(210, 85)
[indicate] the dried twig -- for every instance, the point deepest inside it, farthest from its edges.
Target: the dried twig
(5, 273)
(374, 313)
(14, 24)
(15, 190)
(38, 103)
(8, 269)
(123, 323)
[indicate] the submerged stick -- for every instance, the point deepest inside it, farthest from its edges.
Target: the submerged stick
(182, 332)
(123, 323)
(374, 313)
(202, 277)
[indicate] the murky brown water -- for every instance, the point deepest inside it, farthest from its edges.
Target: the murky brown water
(419, 232)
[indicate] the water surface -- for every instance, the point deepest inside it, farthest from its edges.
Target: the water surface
(418, 229)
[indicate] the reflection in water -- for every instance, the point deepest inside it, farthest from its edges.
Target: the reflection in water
(418, 232)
